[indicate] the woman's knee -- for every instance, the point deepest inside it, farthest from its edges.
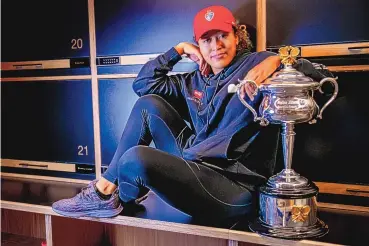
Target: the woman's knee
(132, 173)
(133, 161)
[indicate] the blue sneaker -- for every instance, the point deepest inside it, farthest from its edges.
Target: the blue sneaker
(87, 203)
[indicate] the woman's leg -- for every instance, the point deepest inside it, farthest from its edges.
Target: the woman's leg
(152, 118)
(193, 188)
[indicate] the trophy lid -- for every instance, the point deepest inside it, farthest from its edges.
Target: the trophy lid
(289, 77)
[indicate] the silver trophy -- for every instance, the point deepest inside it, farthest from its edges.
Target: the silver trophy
(287, 202)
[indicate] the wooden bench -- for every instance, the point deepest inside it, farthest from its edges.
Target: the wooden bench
(27, 215)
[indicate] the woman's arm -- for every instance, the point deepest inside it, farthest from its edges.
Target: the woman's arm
(154, 79)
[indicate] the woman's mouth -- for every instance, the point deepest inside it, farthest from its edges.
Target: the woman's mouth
(218, 56)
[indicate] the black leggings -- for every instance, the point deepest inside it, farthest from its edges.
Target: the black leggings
(188, 186)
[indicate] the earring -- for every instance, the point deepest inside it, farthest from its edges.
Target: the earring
(243, 27)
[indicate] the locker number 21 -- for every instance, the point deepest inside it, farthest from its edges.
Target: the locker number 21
(82, 150)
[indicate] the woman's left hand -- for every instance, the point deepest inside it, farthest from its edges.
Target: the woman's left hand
(259, 74)
(204, 68)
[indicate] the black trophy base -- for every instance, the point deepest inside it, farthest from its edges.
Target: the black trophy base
(319, 229)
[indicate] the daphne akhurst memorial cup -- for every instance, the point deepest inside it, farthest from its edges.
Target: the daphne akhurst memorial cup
(287, 202)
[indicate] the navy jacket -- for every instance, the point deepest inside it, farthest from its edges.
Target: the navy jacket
(225, 138)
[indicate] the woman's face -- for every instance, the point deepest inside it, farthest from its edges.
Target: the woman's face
(218, 48)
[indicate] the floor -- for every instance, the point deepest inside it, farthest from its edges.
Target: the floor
(8, 239)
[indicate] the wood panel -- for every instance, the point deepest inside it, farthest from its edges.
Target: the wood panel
(247, 244)
(75, 232)
(129, 221)
(127, 75)
(335, 49)
(47, 64)
(343, 189)
(232, 243)
(145, 224)
(43, 178)
(46, 78)
(244, 238)
(51, 166)
(23, 223)
(133, 236)
(349, 68)
(95, 88)
(49, 230)
(343, 207)
(261, 25)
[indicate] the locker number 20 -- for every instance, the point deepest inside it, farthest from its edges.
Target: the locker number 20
(76, 44)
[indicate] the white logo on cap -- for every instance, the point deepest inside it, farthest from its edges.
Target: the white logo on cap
(209, 15)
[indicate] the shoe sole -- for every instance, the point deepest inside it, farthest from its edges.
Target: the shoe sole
(92, 213)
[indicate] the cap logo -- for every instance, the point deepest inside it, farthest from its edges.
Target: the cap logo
(209, 15)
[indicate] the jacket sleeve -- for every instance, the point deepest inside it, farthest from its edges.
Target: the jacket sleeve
(154, 79)
(314, 70)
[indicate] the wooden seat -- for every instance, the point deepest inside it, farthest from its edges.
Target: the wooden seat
(22, 197)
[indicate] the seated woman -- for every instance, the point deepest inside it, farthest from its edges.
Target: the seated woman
(209, 166)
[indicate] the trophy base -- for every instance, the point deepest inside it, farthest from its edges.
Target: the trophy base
(317, 230)
(288, 208)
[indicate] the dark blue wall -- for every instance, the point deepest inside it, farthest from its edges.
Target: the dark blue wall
(47, 121)
(335, 149)
(43, 30)
(126, 27)
(116, 101)
(294, 22)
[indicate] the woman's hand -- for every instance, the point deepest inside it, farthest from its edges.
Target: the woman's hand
(193, 52)
(259, 74)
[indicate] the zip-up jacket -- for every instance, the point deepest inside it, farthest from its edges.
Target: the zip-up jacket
(225, 136)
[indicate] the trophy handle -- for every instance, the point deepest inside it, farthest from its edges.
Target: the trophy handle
(232, 89)
(335, 84)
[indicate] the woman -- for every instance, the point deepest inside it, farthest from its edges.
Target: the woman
(208, 166)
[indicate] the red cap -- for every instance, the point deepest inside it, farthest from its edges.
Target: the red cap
(213, 18)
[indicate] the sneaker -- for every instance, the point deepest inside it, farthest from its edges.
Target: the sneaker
(87, 203)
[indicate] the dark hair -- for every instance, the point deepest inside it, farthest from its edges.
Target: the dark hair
(244, 42)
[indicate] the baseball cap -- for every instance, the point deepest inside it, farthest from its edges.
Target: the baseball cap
(214, 17)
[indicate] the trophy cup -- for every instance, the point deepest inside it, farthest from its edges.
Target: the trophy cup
(287, 202)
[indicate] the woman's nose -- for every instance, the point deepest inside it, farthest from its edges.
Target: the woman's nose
(216, 44)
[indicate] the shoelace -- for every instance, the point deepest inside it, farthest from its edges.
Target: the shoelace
(85, 194)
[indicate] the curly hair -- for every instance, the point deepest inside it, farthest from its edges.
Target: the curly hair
(244, 43)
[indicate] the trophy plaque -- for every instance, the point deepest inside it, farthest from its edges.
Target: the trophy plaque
(287, 202)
